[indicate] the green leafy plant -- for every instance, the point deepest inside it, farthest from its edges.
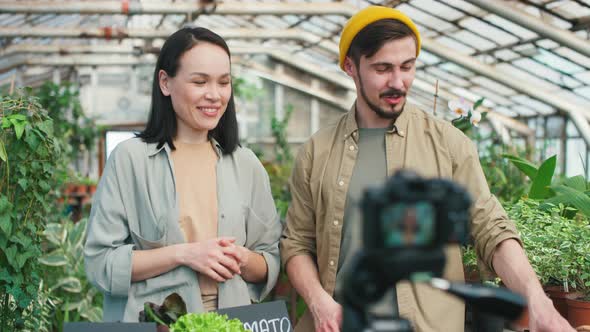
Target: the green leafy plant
(65, 276)
(572, 193)
(71, 124)
(173, 314)
(506, 182)
(207, 322)
(169, 312)
(556, 246)
(28, 155)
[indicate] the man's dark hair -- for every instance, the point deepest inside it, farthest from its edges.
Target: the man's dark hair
(372, 37)
(161, 125)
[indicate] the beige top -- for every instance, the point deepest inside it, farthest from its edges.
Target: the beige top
(194, 166)
(431, 147)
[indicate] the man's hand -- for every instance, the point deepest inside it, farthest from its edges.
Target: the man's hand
(543, 317)
(327, 313)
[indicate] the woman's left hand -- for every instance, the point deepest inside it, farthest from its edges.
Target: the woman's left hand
(239, 253)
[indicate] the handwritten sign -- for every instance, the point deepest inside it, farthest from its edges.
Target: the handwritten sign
(262, 317)
(109, 327)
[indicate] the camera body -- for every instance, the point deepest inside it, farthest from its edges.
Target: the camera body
(406, 225)
(413, 212)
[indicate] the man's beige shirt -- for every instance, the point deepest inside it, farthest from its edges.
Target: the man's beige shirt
(429, 146)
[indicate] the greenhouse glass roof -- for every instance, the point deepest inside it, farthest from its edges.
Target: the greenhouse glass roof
(527, 58)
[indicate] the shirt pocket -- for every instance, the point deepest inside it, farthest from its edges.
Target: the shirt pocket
(260, 233)
(146, 244)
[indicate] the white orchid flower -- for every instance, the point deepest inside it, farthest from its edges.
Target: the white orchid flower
(460, 107)
(475, 118)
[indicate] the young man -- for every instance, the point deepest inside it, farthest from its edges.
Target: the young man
(379, 135)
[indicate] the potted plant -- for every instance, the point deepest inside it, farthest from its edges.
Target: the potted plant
(579, 304)
(172, 316)
(550, 241)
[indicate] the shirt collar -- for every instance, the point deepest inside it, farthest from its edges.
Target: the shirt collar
(152, 148)
(400, 127)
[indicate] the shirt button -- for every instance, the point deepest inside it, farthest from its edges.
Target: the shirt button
(401, 132)
(351, 148)
(331, 263)
(335, 222)
(222, 215)
(341, 183)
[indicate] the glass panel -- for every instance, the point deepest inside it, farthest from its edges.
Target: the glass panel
(511, 26)
(547, 44)
(538, 69)
(571, 129)
(488, 30)
(540, 127)
(558, 62)
(493, 85)
(300, 117)
(438, 8)
(574, 56)
(525, 76)
(534, 104)
(455, 45)
(428, 57)
(425, 19)
(555, 126)
(576, 157)
(474, 40)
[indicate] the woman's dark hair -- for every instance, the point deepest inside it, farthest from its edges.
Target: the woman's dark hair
(372, 37)
(161, 125)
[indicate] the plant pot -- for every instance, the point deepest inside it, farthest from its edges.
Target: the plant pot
(559, 297)
(578, 311)
(471, 276)
(522, 323)
(162, 328)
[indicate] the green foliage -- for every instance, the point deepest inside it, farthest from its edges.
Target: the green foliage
(65, 275)
(207, 322)
(557, 247)
(27, 169)
(572, 193)
(469, 258)
(504, 180)
(71, 125)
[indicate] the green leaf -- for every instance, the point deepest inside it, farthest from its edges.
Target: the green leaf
(55, 258)
(478, 103)
(577, 182)
(54, 233)
(69, 284)
(3, 154)
(22, 258)
(19, 129)
(11, 253)
(94, 314)
(578, 199)
(540, 187)
(523, 165)
(23, 183)
(6, 223)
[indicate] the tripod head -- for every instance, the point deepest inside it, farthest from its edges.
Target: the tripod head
(406, 225)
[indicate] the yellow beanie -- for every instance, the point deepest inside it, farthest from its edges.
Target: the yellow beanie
(367, 16)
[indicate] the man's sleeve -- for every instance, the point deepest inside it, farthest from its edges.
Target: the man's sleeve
(299, 237)
(489, 222)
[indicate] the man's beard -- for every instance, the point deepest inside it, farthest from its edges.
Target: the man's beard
(391, 114)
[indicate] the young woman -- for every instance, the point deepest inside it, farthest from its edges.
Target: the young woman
(183, 208)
